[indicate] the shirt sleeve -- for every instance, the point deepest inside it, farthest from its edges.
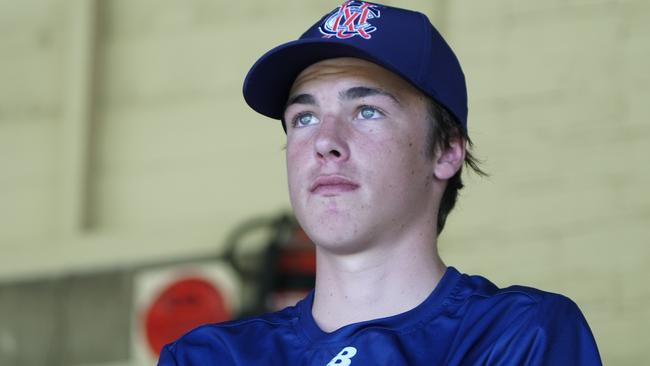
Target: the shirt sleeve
(166, 357)
(200, 347)
(556, 333)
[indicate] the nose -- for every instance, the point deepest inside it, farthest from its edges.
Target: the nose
(331, 143)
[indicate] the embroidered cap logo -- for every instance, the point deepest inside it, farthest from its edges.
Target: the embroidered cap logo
(349, 20)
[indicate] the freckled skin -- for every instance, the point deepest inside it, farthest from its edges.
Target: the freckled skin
(385, 156)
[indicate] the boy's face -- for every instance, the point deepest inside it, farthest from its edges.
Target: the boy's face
(357, 164)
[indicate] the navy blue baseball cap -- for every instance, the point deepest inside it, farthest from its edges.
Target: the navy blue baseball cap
(402, 41)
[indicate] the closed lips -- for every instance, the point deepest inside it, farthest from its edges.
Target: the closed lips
(332, 181)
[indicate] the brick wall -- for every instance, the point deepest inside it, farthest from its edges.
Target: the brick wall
(556, 112)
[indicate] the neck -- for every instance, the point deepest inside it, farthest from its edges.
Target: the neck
(377, 283)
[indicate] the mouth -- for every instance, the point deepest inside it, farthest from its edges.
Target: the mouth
(332, 185)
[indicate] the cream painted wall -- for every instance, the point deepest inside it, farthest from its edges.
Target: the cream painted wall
(556, 112)
(168, 159)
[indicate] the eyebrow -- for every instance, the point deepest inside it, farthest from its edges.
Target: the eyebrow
(364, 91)
(355, 92)
(301, 99)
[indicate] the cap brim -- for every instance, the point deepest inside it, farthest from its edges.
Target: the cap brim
(267, 84)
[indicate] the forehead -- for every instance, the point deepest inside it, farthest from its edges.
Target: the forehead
(348, 71)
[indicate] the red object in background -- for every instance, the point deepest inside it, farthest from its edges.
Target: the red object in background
(297, 261)
(180, 307)
(295, 271)
(299, 256)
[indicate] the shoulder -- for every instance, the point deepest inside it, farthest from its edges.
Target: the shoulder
(479, 294)
(223, 341)
(524, 322)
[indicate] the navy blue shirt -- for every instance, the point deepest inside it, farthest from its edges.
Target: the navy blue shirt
(466, 320)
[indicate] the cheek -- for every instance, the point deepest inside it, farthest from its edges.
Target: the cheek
(296, 156)
(293, 154)
(399, 164)
(400, 151)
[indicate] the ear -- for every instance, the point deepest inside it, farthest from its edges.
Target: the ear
(449, 160)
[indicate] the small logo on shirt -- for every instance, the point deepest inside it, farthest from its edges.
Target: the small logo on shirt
(344, 358)
(349, 20)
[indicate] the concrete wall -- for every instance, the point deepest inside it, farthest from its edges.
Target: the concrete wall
(124, 142)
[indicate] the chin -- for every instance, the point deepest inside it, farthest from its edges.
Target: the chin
(332, 223)
(338, 234)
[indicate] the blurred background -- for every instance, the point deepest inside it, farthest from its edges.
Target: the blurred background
(139, 195)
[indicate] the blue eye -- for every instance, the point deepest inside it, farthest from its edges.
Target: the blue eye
(367, 112)
(304, 119)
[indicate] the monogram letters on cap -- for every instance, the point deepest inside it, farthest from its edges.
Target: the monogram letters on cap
(349, 20)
